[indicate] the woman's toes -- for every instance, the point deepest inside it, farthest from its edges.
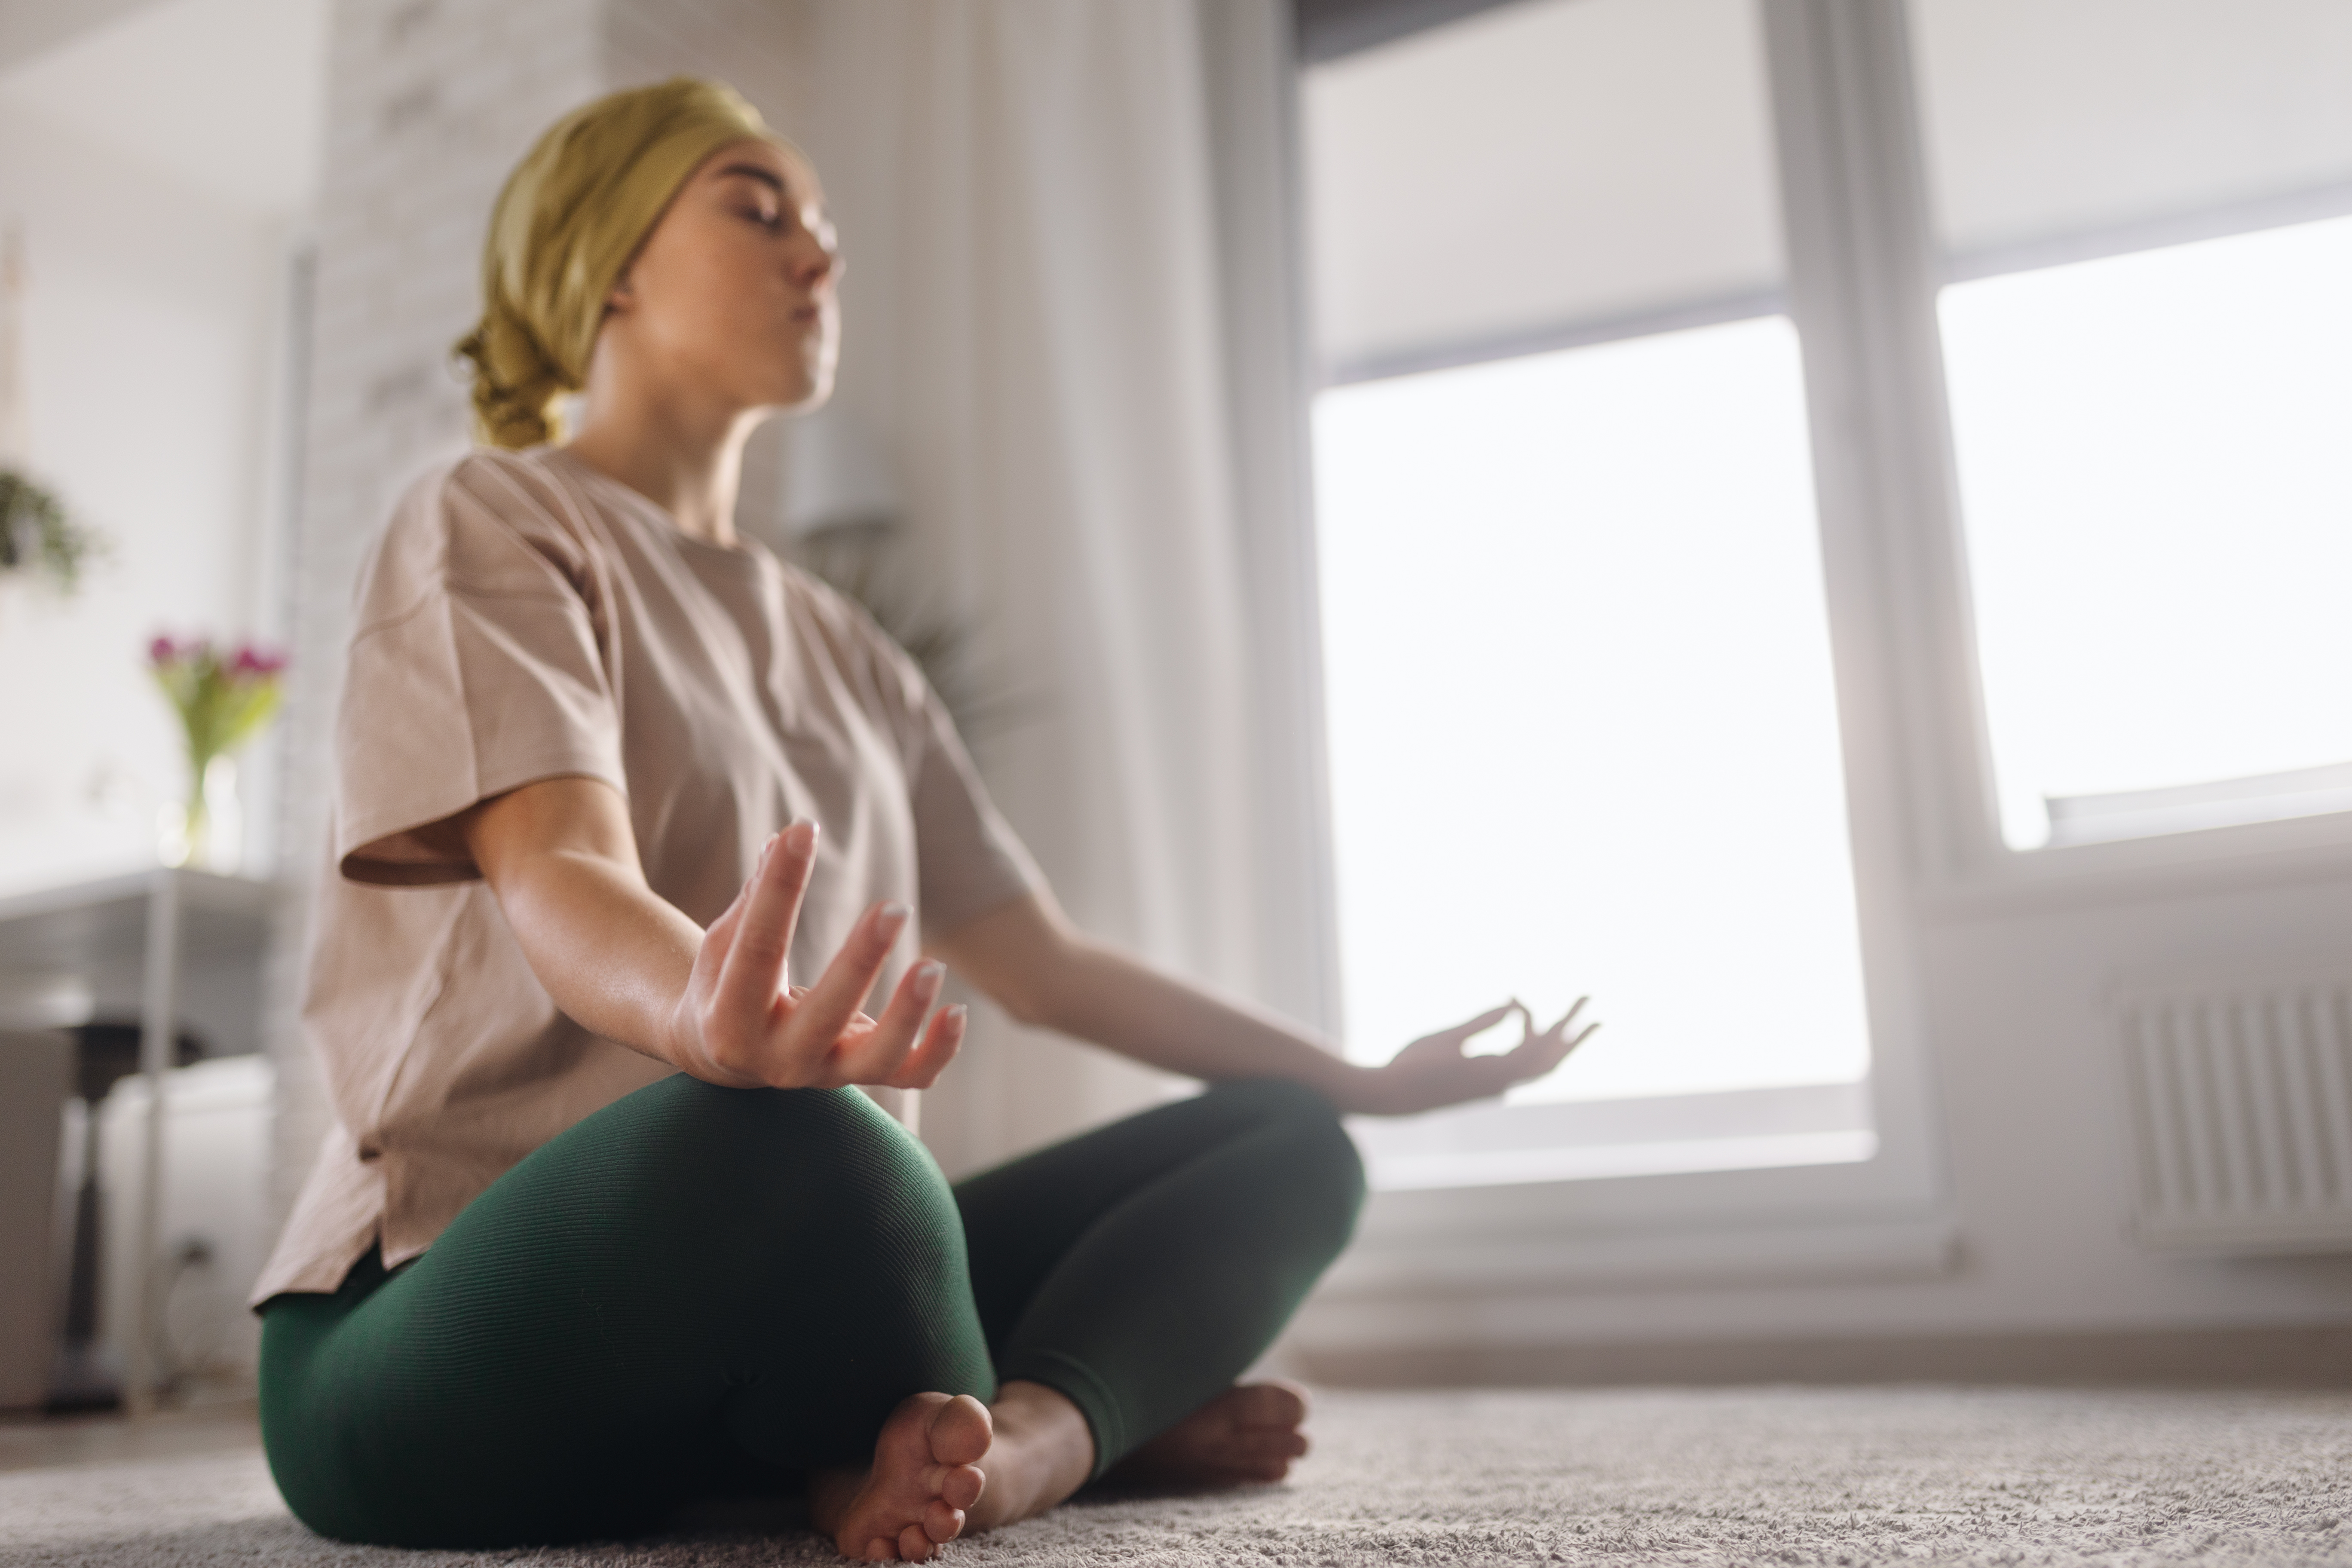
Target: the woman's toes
(1261, 1457)
(941, 1523)
(922, 1481)
(960, 1486)
(960, 1431)
(1270, 1405)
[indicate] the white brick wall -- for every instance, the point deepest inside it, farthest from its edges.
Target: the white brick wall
(751, 45)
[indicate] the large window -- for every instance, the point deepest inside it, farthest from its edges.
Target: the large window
(1582, 729)
(1638, 685)
(1583, 725)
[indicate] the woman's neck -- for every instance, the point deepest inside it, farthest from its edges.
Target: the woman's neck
(687, 461)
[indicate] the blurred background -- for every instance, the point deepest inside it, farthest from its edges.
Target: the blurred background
(1820, 523)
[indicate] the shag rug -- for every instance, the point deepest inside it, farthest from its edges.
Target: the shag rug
(1770, 1476)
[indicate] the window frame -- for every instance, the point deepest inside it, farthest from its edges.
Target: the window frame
(1899, 1194)
(1863, 271)
(1875, 322)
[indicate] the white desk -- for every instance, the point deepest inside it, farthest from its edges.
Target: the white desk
(158, 920)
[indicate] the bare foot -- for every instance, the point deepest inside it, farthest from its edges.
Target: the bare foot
(1248, 1432)
(914, 1497)
(1043, 1452)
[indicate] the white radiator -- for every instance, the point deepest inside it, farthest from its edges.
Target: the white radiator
(2239, 1111)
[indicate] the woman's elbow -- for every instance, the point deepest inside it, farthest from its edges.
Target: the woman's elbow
(1020, 957)
(1025, 1006)
(1034, 994)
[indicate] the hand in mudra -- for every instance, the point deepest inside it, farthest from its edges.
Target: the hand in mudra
(1435, 1072)
(742, 1024)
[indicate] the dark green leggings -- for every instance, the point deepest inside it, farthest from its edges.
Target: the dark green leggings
(698, 1290)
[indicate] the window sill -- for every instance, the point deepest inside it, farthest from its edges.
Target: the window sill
(1578, 1195)
(1582, 1141)
(1386, 1268)
(2246, 856)
(1515, 1167)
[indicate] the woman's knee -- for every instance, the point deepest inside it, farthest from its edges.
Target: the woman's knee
(1315, 1162)
(760, 1133)
(848, 1201)
(832, 1145)
(747, 1174)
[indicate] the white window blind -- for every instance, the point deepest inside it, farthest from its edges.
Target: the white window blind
(1539, 168)
(2048, 117)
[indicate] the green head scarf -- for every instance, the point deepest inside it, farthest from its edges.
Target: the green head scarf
(572, 215)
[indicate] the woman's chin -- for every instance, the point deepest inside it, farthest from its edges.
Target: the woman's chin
(795, 407)
(801, 386)
(788, 394)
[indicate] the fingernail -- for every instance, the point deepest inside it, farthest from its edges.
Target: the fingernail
(892, 916)
(956, 1015)
(928, 975)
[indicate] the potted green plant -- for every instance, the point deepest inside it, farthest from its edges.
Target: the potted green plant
(39, 538)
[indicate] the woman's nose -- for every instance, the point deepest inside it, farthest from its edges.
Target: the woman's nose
(814, 261)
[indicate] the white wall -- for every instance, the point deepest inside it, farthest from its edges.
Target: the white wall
(154, 159)
(152, 329)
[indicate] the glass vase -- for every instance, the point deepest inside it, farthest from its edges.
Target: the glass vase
(206, 831)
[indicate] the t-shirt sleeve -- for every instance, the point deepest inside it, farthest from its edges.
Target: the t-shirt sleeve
(968, 859)
(479, 665)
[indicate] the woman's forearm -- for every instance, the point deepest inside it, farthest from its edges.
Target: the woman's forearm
(614, 955)
(1102, 996)
(1026, 957)
(617, 958)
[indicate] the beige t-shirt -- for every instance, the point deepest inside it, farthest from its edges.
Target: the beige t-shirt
(525, 617)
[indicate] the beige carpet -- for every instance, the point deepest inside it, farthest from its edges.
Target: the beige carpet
(1778, 1477)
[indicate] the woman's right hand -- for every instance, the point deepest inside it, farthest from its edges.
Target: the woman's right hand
(743, 1023)
(1437, 1071)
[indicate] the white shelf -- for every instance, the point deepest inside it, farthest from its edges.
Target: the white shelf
(157, 920)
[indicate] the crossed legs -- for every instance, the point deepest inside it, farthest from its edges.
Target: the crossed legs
(696, 1284)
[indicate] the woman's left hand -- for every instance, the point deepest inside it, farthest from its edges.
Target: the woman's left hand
(1435, 1072)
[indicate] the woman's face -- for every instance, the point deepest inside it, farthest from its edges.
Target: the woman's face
(733, 292)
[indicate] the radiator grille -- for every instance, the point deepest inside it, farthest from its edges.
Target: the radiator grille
(2241, 1111)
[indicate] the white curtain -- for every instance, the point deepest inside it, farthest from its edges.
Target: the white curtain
(1071, 325)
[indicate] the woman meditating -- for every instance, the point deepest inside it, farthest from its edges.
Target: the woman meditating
(630, 823)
